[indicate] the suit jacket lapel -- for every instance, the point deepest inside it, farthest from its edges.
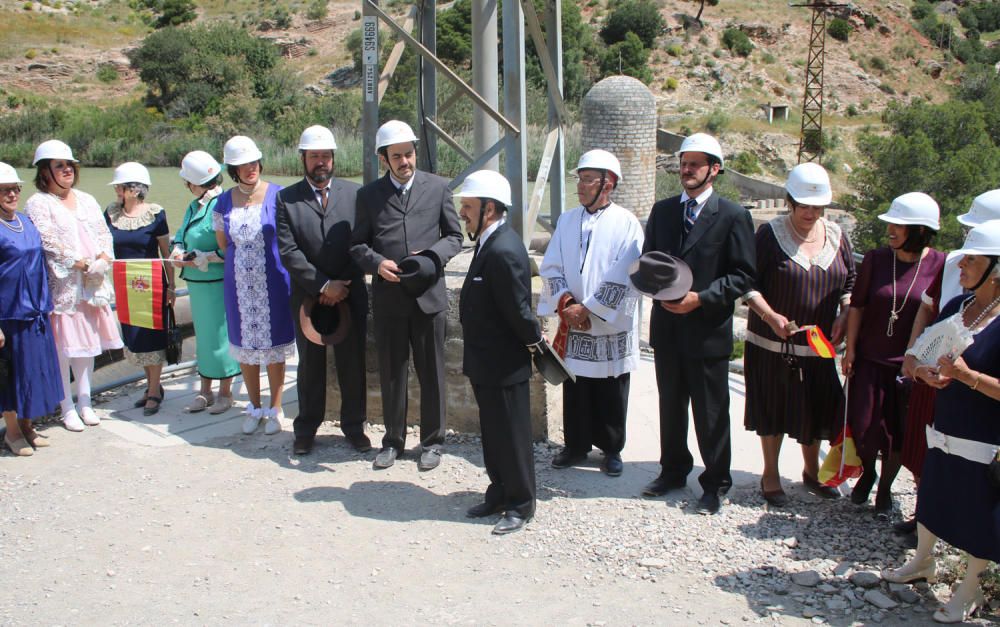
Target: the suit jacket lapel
(416, 191)
(391, 197)
(701, 226)
(309, 196)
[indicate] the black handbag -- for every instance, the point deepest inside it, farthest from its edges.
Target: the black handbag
(174, 340)
(993, 471)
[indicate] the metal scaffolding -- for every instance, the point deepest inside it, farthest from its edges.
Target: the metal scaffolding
(811, 135)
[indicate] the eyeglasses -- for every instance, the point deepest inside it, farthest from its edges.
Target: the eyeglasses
(587, 181)
(16, 189)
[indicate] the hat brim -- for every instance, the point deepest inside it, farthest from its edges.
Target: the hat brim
(885, 217)
(685, 279)
(813, 201)
(314, 336)
(550, 365)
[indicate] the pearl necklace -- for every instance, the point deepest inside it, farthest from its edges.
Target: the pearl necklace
(893, 312)
(795, 231)
(10, 224)
(253, 189)
(982, 315)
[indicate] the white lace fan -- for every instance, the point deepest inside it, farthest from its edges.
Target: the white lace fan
(948, 337)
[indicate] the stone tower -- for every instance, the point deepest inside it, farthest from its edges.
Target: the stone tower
(619, 115)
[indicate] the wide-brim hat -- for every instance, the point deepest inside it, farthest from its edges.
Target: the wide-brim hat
(660, 276)
(325, 325)
(550, 365)
(417, 273)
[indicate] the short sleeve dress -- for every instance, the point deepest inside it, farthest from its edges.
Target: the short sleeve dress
(136, 238)
(257, 287)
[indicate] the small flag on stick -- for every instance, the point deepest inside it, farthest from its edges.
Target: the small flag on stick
(818, 342)
(140, 288)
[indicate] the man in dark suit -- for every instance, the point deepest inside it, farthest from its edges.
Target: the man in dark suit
(692, 337)
(315, 218)
(498, 325)
(406, 212)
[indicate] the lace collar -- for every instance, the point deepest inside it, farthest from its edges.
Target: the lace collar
(790, 247)
(122, 222)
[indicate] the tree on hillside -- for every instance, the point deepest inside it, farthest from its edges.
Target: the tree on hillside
(641, 17)
(701, 9)
(627, 57)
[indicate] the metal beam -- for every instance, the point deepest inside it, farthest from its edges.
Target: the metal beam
(553, 81)
(369, 89)
(485, 76)
(538, 193)
(516, 151)
(478, 164)
(444, 69)
(448, 139)
(557, 191)
(394, 56)
(427, 102)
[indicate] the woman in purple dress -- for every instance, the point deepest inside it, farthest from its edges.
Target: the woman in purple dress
(30, 385)
(884, 304)
(805, 273)
(257, 287)
(957, 500)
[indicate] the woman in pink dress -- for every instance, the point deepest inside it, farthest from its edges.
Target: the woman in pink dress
(78, 253)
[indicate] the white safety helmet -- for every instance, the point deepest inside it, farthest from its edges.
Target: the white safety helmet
(317, 138)
(8, 174)
(131, 172)
(809, 184)
(702, 142)
(983, 240)
(239, 150)
(915, 209)
(393, 132)
(598, 159)
(985, 207)
(199, 167)
(486, 184)
(52, 149)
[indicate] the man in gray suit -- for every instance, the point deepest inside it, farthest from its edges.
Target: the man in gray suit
(315, 218)
(406, 213)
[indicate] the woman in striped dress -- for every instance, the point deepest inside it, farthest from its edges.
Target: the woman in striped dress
(805, 273)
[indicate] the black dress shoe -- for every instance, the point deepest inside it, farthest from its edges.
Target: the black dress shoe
(386, 457)
(661, 485)
(820, 490)
(612, 465)
(905, 527)
(859, 495)
(708, 504)
(483, 510)
(566, 458)
(429, 459)
(359, 442)
(511, 522)
(303, 444)
(883, 507)
(774, 498)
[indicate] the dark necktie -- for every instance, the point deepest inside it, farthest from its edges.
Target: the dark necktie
(324, 195)
(689, 216)
(475, 253)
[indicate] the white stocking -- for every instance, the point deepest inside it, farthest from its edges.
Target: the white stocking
(67, 403)
(82, 367)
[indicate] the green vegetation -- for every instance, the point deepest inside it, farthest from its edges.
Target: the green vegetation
(627, 57)
(737, 42)
(106, 73)
(641, 17)
(746, 163)
(839, 29)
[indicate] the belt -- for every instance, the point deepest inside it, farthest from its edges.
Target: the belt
(777, 347)
(979, 452)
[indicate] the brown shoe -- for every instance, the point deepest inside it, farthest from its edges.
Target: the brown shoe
(19, 447)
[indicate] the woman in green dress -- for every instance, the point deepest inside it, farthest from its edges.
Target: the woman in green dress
(195, 250)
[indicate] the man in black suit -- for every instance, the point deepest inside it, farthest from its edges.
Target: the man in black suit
(406, 212)
(497, 327)
(315, 218)
(692, 337)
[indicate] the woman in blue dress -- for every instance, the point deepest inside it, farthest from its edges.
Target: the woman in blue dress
(30, 384)
(956, 500)
(139, 231)
(257, 287)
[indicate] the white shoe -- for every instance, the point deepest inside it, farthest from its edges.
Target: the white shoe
(90, 417)
(273, 425)
(71, 420)
(252, 420)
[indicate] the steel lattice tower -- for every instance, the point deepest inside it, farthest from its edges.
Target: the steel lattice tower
(811, 135)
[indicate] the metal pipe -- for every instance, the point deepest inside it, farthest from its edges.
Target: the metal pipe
(485, 77)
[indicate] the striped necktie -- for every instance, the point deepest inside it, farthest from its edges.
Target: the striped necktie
(689, 215)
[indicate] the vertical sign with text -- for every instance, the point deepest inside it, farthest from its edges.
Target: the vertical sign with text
(369, 56)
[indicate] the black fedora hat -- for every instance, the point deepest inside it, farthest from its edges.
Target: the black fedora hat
(324, 324)
(660, 276)
(417, 273)
(550, 365)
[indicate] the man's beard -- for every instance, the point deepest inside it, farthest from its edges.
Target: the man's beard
(319, 175)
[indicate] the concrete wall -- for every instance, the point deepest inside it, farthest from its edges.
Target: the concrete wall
(462, 411)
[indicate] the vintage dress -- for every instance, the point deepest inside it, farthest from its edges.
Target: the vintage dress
(874, 408)
(257, 287)
(137, 238)
(206, 292)
(33, 386)
(807, 291)
(82, 321)
(956, 500)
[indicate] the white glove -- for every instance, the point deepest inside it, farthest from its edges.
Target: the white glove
(201, 260)
(177, 252)
(98, 268)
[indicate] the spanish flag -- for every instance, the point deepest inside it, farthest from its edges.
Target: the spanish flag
(842, 462)
(140, 288)
(818, 342)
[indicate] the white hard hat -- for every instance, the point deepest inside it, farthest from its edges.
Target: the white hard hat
(52, 149)
(393, 132)
(239, 150)
(8, 174)
(983, 240)
(985, 207)
(913, 208)
(702, 142)
(486, 184)
(598, 159)
(199, 167)
(317, 138)
(809, 184)
(131, 172)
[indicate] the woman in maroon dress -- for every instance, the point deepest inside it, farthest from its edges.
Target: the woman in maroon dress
(884, 304)
(805, 272)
